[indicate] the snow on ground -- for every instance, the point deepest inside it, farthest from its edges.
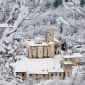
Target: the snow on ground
(74, 55)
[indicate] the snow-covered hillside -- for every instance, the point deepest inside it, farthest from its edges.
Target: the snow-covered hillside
(29, 19)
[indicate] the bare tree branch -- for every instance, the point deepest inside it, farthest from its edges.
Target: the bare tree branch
(34, 5)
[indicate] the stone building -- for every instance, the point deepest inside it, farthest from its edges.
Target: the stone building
(39, 49)
(74, 58)
(67, 67)
(44, 75)
(39, 69)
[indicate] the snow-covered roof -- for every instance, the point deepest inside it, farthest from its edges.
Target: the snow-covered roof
(5, 25)
(38, 38)
(51, 43)
(38, 72)
(31, 43)
(74, 55)
(52, 70)
(67, 62)
(60, 70)
(36, 66)
(20, 70)
(56, 40)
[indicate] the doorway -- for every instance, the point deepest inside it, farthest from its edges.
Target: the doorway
(55, 52)
(58, 52)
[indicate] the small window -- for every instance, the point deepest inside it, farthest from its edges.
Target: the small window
(32, 56)
(55, 52)
(56, 74)
(55, 46)
(59, 74)
(30, 74)
(22, 74)
(51, 74)
(36, 74)
(50, 34)
(40, 51)
(44, 75)
(16, 73)
(65, 59)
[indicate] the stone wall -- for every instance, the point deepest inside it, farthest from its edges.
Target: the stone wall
(27, 50)
(68, 73)
(75, 61)
(68, 69)
(40, 52)
(22, 74)
(33, 51)
(45, 50)
(38, 77)
(51, 53)
(38, 41)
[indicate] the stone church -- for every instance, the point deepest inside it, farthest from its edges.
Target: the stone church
(44, 49)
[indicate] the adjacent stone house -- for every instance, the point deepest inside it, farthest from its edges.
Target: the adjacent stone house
(74, 58)
(67, 67)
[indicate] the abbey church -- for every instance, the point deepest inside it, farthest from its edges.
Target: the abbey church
(44, 49)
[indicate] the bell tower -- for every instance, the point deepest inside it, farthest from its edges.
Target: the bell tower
(49, 35)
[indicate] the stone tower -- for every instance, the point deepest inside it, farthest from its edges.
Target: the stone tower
(49, 35)
(67, 66)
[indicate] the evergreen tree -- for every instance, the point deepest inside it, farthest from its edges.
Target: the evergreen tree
(82, 2)
(56, 3)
